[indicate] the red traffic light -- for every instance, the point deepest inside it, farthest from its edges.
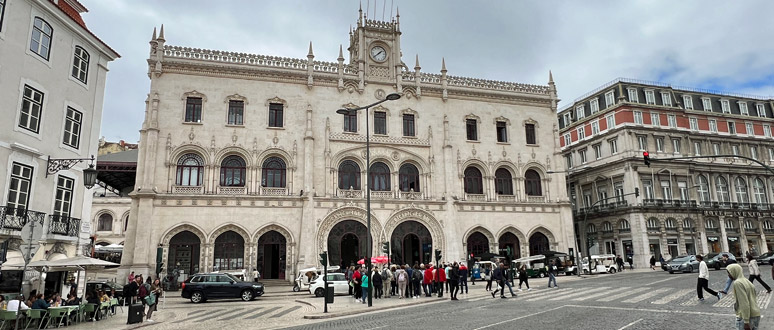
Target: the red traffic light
(646, 158)
(645, 154)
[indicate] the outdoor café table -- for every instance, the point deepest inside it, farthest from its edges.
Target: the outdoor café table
(63, 312)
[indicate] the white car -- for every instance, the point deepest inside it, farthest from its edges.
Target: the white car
(336, 280)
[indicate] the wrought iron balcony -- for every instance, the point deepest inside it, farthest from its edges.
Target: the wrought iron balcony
(15, 219)
(63, 225)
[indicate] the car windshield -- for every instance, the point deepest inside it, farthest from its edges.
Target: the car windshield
(233, 278)
(767, 254)
(681, 258)
(710, 255)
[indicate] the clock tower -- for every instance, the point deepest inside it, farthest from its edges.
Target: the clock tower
(374, 47)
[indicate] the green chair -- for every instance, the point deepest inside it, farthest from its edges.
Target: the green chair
(35, 314)
(60, 313)
(114, 303)
(7, 317)
(89, 308)
(104, 308)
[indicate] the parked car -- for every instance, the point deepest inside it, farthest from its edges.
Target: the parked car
(201, 287)
(715, 260)
(683, 264)
(765, 259)
(337, 281)
(665, 265)
(106, 286)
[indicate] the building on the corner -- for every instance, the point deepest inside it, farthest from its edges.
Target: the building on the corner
(686, 206)
(244, 163)
(52, 83)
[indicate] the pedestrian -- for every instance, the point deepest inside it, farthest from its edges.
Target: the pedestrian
(447, 269)
(441, 279)
(364, 285)
(402, 278)
(153, 302)
(488, 278)
(386, 275)
(552, 272)
(348, 277)
(727, 261)
(463, 278)
(748, 314)
(473, 274)
(131, 277)
(416, 279)
(131, 290)
(427, 280)
(703, 281)
(142, 292)
(356, 278)
(454, 280)
(393, 280)
(619, 261)
(497, 276)
(631, 262)
(376, 278)
(755, 273)
(652, 262)
(409, 287)
(255, 275)
(523, 278)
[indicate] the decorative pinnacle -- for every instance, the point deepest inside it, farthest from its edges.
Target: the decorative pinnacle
(341, 53)
(416, 66)
(443, 65)
(550, 77)
(310, 50)
(154, 34)
(161, 33)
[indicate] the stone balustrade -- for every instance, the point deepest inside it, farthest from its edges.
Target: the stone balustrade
(188, 190)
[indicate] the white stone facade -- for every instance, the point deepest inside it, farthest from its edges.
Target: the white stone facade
(299, 209)
(49, 110)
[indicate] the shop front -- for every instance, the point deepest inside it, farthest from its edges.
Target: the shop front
(672, 247)
(713, 244)
(690, 247)
(735, 246)
(654, 247)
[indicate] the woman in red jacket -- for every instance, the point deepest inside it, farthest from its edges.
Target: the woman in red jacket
(427, 282)
(441, 279)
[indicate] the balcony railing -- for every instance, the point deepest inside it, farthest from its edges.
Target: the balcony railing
(232, 190)
(188, 190)
(15, 219)
(350, 193)
(751, 231)
(475, 197)
(63, 225)
(536, 199)
(412, 195)
(382, 195)
(506, 198)
(274, 191)
(627, 230)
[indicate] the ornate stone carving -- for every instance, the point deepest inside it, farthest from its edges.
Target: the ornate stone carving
(194, 93)
(347, 212)
(425, 217)
(235, 97)
(191, 134)
(380, 94)
(276, 99)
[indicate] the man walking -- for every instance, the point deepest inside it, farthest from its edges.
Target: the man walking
(454, 280)
(427, 281)
(463, 278)
(748, 314)
(703, 282)
(386, 276)
(619, 261)
(727, 261)
(755, 273)
(552, 271)
(499, 278)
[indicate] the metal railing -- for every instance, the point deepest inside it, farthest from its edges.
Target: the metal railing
(63, 225)
(15, 218)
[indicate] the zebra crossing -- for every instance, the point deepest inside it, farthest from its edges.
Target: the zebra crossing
(629, 295)
(245, 313)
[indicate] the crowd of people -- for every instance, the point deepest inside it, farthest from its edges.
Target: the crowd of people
(145, 292)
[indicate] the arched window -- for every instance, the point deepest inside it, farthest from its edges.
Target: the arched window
(749, 224)
(408, 176)
(710, 223)
(273, 173)
(380, 177)
(669, 223)
(687, 223)
(41, 38)
(653, 224)
(229, 251)
(591, 229)
(730, 224)
(232, 172)
(473, 183)
(607, 227)
(503, 182)
(760, 192)
(105, 222)
(80, 64)
(349, 175)
(190, 170)
(741, 190)
(767, 225)
(721, 185)
(624, 225)
(703, 188)
(532, 183)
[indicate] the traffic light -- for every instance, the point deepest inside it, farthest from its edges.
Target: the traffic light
(437, 255)
(646, 158)
(324, 259)
(636, 192)
(159, 268)
(386, 248)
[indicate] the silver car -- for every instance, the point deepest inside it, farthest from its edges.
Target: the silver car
(683, 264)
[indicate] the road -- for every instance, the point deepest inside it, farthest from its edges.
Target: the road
(644, 300)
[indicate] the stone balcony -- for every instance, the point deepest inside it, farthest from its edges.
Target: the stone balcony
(273, 191)
(188, 190)
(536, 199)
(232, 190)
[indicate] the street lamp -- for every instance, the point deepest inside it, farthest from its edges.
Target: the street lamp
(57, 164)
(343, 111)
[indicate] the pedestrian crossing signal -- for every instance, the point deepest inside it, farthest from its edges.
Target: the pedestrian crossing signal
(386, 248)
(437, 255)
(324, 259)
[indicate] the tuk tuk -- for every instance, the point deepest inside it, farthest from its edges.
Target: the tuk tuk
(565, 264)
(604, 263)
(482, 269)
(306, 275)
(536, 266)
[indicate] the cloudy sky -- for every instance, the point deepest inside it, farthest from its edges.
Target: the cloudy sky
(718, 45)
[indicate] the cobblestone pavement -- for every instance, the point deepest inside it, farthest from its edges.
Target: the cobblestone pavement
(642, 299)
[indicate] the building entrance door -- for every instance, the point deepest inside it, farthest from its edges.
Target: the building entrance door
(349, 246)
(271, 255)
(411, 249)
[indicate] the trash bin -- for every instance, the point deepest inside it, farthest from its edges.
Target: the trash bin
(329, 295)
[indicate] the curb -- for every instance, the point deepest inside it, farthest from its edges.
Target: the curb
(348, 313)
(305, 303)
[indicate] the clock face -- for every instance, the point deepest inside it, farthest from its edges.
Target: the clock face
(378, 53)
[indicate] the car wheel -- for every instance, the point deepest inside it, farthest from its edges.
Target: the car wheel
(690, 269)
(197, 297)
(296, 288)
(319, 292)
(612, 271)
(717, 266)
(247, 295)
(542, 275)
(671, 272)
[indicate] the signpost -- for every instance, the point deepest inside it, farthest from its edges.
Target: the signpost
(29, 233)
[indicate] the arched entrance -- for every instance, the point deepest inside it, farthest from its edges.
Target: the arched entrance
(272, 247)
(477, 244)
(538, 244)
(184, 252)
(411, 243)
(347, 243)
(229, 251)
(509, 242)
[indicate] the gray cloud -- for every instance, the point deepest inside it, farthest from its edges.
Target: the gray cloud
(706, 44)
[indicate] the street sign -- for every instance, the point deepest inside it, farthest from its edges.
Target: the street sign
(30, 236)
(86, 227)
(29, 247)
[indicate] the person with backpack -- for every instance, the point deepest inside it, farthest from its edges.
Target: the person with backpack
(376, 278)
(364, 285)
(393, 281)
(386, 276)
(401, 277)
(416, 278)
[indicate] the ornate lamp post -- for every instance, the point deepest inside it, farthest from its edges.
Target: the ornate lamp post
(390, 97)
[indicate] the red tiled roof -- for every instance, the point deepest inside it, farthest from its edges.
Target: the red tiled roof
(76, 17)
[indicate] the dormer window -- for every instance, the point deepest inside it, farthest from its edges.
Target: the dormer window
(633, 95)
(760, 109)
(706, 103)
(580, 112)
(688, 102)
(594, 104)
(650, 97)
(743, 108)
(725, 106)
(666, 99)
(609, 99)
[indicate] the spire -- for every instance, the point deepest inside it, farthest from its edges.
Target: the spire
(310, 50)
(161, 33)
(550, 77)
(341, 53)
(154, 33)
(443, 65)
(416, 66)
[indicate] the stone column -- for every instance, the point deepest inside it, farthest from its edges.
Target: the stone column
(723, 235)
(639, 240)
(743, 236)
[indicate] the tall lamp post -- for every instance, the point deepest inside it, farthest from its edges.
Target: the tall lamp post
(389, 97)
